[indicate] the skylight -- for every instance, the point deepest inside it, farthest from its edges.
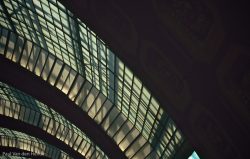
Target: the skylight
(49, 41)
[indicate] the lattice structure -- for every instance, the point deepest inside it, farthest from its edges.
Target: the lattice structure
(49, 41)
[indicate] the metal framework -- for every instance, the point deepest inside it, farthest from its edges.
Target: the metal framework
(61, 50)
(20, 106)
(36, 147)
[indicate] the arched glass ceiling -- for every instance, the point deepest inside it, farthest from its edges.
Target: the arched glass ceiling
(49, 41)
(11, 138)
(25, 108)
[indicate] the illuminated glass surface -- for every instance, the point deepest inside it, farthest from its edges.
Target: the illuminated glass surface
(48, 40)
(194, 156)
(25, 108)
(22, 141)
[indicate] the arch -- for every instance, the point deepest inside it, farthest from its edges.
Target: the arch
(113, 114)
(22, 141)
(59, 103)
(20, 126)
(44, 120)
(96, 84)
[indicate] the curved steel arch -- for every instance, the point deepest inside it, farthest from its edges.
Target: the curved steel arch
(22, 141)
(94, 71)
(18, 105)
(31, 130)
(114, 114)
(58, 101)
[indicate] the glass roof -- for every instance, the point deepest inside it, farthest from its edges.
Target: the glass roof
(25, 108)
(48, 40)
(36, 147)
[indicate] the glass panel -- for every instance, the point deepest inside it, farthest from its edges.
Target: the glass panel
(78, 142)
(63, 76)
(90, 151)
(110, 118)
(55, 72)
(3, 40)
(128, 139)
(83, 93)
(85, 148)
(33, 57)
(103, 111)
(135, 147)
(25, 53)
(76, 87)
(11, 46)
(47, 67)
(40, 62)
(144, 151)
(90, 99)
(72, 139)
(123, 131)
(96, 105)
(69, 81)
(116, 124)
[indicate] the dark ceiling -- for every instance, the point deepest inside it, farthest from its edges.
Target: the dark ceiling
(194, 57)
